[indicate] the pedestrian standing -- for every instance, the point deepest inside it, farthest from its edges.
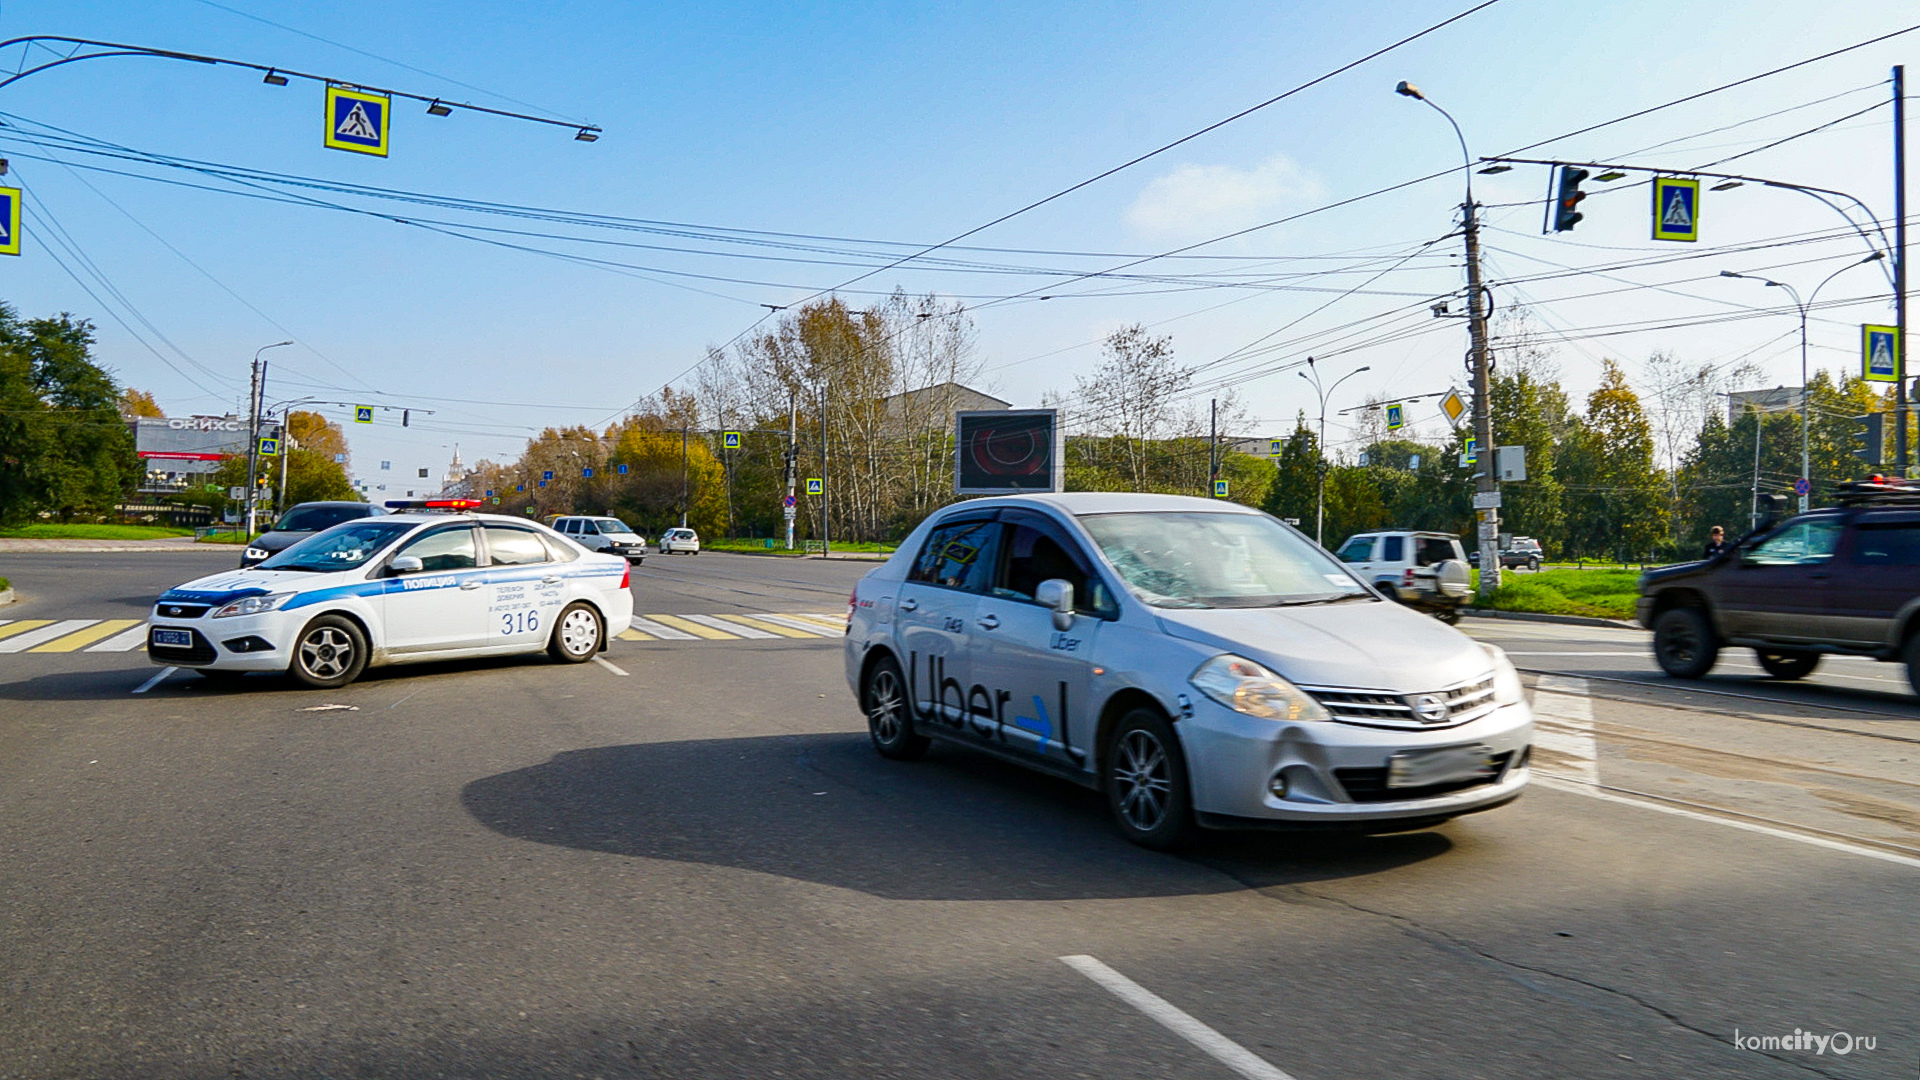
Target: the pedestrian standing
(1716, 543)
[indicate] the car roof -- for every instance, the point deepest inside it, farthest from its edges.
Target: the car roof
(335, 502)
(428, 516)
(1108, 502)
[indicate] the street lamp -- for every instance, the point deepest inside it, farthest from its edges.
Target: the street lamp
(1320, 499)
(1486, 488)
(1806, 452)
(253, 430)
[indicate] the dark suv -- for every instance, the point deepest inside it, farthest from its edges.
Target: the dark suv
(1843, 580)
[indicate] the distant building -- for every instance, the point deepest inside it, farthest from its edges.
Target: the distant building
(1778, 399)
(941, 400)
(457, 484)
(181, 452)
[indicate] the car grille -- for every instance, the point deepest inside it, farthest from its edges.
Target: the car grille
(1376, 708)
(200, 652)
(180, 611)
(1370, 785)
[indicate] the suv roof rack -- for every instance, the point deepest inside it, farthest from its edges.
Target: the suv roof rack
(451, 506)
(1878, 491)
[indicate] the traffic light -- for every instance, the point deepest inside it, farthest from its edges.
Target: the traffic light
(1566, 202)
(1868, 437)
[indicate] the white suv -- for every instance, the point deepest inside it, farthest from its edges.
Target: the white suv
(1424, 569)
(608, 534)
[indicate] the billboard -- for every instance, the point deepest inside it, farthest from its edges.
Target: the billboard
(1008, 451)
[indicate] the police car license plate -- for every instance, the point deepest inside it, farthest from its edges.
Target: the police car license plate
(172, 637)
(1446, 765)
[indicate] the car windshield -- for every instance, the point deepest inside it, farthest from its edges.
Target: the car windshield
(612, 525)
(1358, 549)
(315, 518)
(342, 547)
(1208, 560)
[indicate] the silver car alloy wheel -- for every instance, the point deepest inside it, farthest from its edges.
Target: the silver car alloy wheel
(326, 652)
(1143, 780)
(884, 705)
(579, 632)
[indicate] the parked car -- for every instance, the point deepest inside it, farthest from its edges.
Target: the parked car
(608, 534)
(681, 540)
(1523, 551)
(301, 522)
(1843, 580)
(1424, 570)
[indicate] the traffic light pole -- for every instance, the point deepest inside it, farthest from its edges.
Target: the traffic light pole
(1484, 482)
(1900, 263)
(253, 436)
(793, 462)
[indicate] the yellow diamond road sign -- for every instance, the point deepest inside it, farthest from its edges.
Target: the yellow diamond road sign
(1453, 407)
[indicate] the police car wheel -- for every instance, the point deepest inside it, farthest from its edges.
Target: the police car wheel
(1146, 782)
(889, 715)
(576, 634)
(331, 651)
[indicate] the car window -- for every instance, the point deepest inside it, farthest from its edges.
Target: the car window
(958, 556)
(1433, 549)
(1207, 559)
(566, 525)
(1800, 543)
(340, 548)
(611, 526)
(1887, 545)
(315, 518)
(448, 549)
(1032, 551)
(1358, 549)
(558, 550)
(514, 547)
(1394, 549)
(585, 528)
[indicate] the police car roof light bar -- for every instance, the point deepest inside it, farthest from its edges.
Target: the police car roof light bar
(455, 505)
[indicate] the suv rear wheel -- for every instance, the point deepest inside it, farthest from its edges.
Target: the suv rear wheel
(1787, 664)
(1683, 643)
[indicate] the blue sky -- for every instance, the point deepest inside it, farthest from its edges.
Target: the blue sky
(913, 122)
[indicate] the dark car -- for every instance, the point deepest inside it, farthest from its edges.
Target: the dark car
(301, 522)
(1523, 551)
(1844, 580)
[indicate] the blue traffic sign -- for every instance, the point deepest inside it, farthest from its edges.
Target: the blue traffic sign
(548, 475)
(363, 414)
(269, 446)
(1219, 489)
(587, 472)
(9, 221)
(1396, 417)
(1880, 353)
(730, 440)
(621, 469)
(816, 486)
(788, 502)
(357, 121)
(1801, 487)
(1676, 208)
(1472, 450)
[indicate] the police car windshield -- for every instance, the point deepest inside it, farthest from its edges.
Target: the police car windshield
(315, 518)
(342, 547)
(611, 525)
(1212, 560)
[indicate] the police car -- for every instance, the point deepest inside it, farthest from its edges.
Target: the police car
(430, 581)
(1198, 661)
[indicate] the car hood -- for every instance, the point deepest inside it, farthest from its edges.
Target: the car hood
(279, 541)
(1354, 644)
(233, 584)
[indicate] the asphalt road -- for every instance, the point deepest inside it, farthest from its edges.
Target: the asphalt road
(700, 868)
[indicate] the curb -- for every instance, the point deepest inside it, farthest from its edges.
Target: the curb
(7, 597)
(1565, 620)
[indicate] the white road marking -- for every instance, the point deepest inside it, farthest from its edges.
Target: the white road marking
(729, 627)
(660, 630)
(797, 624)
(609, 665)
(1218, 1046)
(155, 681)
(1733, 823)
(1511, 652)
(1563, 726)
(22, 642)
(125, 641)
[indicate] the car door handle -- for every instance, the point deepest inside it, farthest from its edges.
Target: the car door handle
(550, 579)
(471, 584)
(909, 604)
(989, 622)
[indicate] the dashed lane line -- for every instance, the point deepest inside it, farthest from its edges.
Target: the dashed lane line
(1170, 1016)
(610, 666)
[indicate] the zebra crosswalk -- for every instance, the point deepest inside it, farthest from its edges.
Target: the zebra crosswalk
(33, 636)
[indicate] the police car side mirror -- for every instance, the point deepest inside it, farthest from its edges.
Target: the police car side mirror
(1057, 594)
(406, 564)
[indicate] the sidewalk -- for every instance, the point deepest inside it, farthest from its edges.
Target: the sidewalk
(171, 543)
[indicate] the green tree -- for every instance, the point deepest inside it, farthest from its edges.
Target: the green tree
(1616, 498)
(64, 448)
(1531, 412)
(1296, 478)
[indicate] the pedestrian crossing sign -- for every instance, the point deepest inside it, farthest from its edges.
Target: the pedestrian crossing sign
(587, 472)
(1396, 417)
(363, 414)
(816, 486)
(730, 440)
(357, 121)
(269, 446)
(9, 221)
(1880, 353)
(1276, 447)
(621, 469)
(1676, 208)
(1219, 489)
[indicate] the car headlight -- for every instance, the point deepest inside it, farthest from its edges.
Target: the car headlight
(1506, 678)
(257, 554)
(1247, 687)
(252, 605)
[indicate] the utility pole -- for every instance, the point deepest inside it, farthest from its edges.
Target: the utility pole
(1213, 448)
(1900, 260)
(253, 432)
(793, 460)
(286, 451)
(826, 533)
(1484, 482)
(683, 476)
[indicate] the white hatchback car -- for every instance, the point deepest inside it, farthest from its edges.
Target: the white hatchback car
(680, 541)
(404, 587)
(1198, 661)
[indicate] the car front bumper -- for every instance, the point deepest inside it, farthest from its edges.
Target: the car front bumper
(239, 643)
(1336, 773)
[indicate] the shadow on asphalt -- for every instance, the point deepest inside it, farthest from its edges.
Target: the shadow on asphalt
(826, 809)
(87, 685)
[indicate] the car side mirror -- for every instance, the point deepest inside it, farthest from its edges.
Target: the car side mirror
(406, 564)
(1057, 594)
